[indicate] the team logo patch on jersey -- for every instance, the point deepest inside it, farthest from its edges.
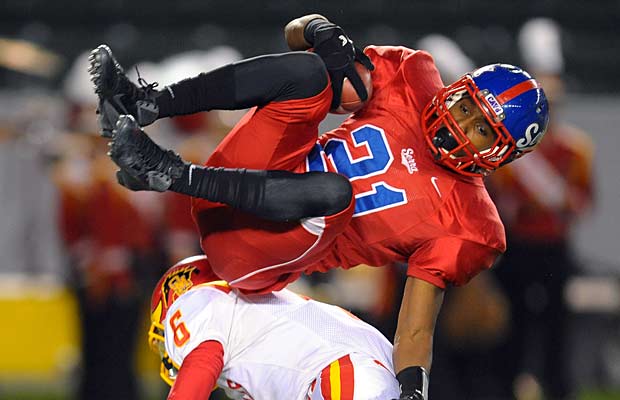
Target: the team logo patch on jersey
(177, 283)
(408, 160)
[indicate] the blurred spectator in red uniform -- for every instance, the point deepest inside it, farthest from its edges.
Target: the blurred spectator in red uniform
(112, 249)
(539, 202)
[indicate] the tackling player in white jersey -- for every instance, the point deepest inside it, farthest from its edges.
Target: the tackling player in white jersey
(277, 346)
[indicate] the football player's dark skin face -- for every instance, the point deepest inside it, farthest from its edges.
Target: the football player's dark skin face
(472, 122)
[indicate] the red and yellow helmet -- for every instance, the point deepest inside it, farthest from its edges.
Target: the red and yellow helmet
(180, 278)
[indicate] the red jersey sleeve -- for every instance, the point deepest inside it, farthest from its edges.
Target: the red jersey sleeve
(450, 260)
(199, 372)
(465, 236)
(403, 77)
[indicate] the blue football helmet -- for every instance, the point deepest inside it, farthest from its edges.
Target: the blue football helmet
(513, 104)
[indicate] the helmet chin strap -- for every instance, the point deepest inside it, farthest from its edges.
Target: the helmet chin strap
(444, 139)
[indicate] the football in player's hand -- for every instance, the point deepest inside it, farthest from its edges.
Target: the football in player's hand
(350, 100)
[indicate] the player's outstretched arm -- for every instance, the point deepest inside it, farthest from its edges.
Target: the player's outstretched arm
(413, 343)
(199, 372)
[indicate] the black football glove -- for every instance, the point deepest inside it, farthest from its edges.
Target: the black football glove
(413, 383)
(415, 396)
(339, 54)
(143, 164)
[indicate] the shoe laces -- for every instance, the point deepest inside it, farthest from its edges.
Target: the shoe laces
(154, 157)
(146, 89)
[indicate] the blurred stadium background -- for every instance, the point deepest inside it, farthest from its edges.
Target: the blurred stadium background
(76, 274)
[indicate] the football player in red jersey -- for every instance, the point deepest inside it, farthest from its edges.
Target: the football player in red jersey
(273, 202)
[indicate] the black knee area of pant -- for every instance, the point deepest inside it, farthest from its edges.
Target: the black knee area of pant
(307, 74)
(338, 192)
(289, 196)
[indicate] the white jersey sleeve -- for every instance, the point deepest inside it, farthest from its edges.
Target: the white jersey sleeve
(201, 314)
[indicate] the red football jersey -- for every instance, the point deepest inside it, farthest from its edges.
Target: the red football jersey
(408, 208)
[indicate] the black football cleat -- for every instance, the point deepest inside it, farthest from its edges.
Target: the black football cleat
(107, 115)
(140, 157)
(113, 87)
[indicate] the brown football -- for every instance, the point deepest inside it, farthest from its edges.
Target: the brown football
(350, 100)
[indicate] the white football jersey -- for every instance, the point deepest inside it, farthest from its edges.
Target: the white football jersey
(275, 345)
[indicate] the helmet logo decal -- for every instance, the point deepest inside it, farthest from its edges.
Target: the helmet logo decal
(528, 140)
(497, 108)
(177, 283)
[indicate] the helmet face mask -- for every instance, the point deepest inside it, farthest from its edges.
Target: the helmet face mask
(168, 370)
(508, 98)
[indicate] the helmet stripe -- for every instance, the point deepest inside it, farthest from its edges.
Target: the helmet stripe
(516, 90)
